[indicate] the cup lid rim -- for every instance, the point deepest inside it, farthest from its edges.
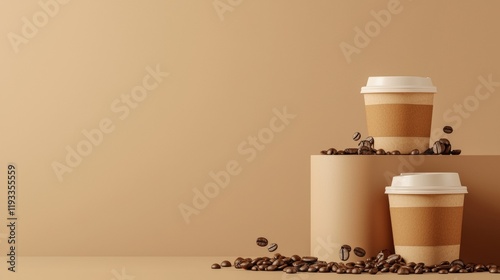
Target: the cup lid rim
(392, 84)
(426, 190)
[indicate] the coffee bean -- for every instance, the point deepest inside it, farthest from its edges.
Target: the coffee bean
(480, 268)
(323, 152)
(312, 268)
(360, 252)
(331, 151)
(351, 151)
(309, 259)
(281, 267)
(278, 262)
(246, 265)
(272, 247)
(271, 268)
(262, 241)
(290, 270)
(324, 269)
(414, 152)
(347, 247)
(458, 262)
(356, 136)
(447, 129)
(454, 269)
(237, 262)
(419, 270)
(215, 266)
(429, 151)
(255, 268)
(225, 264)
(395, 152)
(304, 268)
(344, 253)
(443, 271)
(364, 150)
(295, 258)
(364, 143)
(380, 152)
(373, 270)
(393, 258)
(371, 140)
(356, 271)
(438, 147)
(404, 270)
(456, 152)
(341, 270)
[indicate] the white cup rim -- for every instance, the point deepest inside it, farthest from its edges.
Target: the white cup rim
(426, 183)
(398, 84)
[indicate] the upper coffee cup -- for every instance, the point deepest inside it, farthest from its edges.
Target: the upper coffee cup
(399, 112)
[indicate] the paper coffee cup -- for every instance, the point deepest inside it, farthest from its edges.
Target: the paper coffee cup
(426, 212)
(399, 112)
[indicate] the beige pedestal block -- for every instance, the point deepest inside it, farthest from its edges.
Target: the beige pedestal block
(349, 206)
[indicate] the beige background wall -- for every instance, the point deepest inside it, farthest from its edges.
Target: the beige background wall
(225, 72)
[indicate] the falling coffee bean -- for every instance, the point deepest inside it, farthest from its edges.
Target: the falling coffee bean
(344, 253)
(360, 252)
(447, 129)
(356, 136)
(262, 241)
(272, 247)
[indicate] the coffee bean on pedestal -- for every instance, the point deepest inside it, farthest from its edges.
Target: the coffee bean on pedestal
(371, 140)
(272, 247)
(331, 151)
(356, 136)
(364, 150)
(438, 147)
(351, 151)
(262, 241)
(364, 143)
(429, 151)
(447, 129)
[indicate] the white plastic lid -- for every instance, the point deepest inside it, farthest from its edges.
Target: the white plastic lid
(398, 84)
(426, 183)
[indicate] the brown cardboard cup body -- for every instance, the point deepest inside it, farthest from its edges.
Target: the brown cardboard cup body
(427, 227)
(399, 120)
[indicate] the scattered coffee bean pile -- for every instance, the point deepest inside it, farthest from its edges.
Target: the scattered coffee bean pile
(366, 147)
(384, 262)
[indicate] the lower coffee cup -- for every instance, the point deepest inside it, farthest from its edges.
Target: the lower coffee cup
(426, 212)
